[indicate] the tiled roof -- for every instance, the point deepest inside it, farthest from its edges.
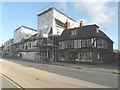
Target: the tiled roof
(84, 32)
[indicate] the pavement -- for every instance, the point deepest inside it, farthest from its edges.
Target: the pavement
(29, 77)
(104, 67)
(111, 67)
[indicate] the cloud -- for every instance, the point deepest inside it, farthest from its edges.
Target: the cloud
(98, 12)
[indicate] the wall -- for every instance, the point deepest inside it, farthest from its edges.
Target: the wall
(23, 33)
(47, 20)
(64, 18)
(17, 35)
(27, 33)
(28, 55)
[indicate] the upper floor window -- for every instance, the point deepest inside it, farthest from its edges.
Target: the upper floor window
(97, 30)
(101, 43)
(73, 32)
(29, 45)
(59, 23)
(86, 43)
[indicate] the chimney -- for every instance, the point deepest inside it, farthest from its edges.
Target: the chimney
(67, 25)
(81, 23)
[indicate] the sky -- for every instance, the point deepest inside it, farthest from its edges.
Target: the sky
(104, 14)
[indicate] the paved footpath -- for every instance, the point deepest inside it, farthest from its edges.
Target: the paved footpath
(29, 77)
(104, 67)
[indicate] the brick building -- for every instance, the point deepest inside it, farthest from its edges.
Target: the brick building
(85, 44)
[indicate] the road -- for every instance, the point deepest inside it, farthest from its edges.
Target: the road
(91, 75)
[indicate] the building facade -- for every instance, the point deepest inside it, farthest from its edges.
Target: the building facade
(7, 48)
(28, 49)
(12, 47)
(85, 44)
(60, 38)
(51, 23)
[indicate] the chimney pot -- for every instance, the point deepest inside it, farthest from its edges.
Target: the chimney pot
(67, 25)
(81, 23)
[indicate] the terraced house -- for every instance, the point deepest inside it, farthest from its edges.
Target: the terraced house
(85, 44)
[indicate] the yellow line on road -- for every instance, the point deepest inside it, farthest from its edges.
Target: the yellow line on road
(12, 81)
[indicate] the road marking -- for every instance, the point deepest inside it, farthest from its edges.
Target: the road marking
(13, 82)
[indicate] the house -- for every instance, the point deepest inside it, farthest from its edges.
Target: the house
(7, 48)
(28, 50)
(1, 49)
(20, 34)
(86, 43)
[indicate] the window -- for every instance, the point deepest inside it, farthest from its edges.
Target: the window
(69, 44)
(101, 43)
(59, 23)
(23, 46)
(85, 56)
(60, 45)
(26, 47)
(63, 45)
(73, 32)
(79, 43)
(29, 45)
(86, 43)
(97, 30)
(93, 41)
(51, 31)
(75, 44)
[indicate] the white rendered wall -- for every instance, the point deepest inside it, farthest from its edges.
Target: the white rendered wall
(47, 20)
(17, 36)
(63, 19)
(27, 33)
(28, 55)
(23, 33)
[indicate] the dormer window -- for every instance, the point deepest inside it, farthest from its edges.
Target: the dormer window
(73, 32)
(97, 30)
